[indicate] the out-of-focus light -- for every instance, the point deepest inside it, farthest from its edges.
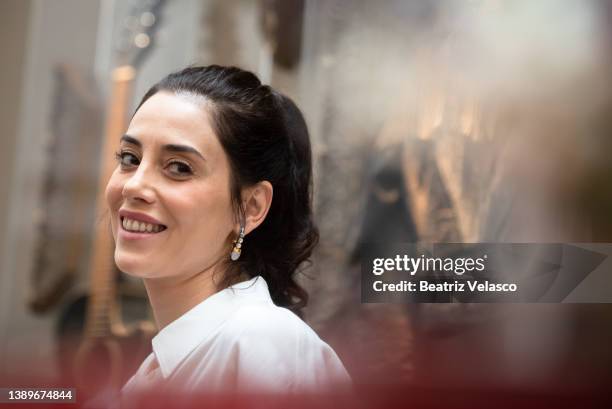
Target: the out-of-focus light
(147, 19)
(142, 40)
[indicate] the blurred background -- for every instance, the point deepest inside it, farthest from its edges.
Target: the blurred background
(437, 121)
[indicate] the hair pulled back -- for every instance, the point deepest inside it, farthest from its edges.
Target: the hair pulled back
(265, 137)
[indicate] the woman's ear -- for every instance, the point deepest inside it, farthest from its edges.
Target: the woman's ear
(257, 200)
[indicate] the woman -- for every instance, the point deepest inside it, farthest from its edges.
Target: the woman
(210, 205)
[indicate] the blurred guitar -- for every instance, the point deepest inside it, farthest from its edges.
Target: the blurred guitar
(109, 349)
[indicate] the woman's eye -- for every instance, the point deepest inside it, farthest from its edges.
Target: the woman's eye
(180, 168)
(126, 159)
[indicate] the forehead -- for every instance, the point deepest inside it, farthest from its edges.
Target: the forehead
(170, 118)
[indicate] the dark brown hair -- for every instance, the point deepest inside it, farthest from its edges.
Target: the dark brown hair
(265, 137)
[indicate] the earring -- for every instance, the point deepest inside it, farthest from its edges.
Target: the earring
(237, 245)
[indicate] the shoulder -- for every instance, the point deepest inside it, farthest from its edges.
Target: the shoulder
(266, 323)
(275, 347)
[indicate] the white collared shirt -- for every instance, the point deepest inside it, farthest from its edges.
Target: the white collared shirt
(239, 340)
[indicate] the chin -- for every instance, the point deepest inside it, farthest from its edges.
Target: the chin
(134, 266)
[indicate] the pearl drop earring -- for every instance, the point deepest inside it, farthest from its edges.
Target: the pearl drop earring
(238, 245)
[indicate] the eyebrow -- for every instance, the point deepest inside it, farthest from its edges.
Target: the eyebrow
(171, 147)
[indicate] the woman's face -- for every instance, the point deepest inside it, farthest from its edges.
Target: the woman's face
(172, 169)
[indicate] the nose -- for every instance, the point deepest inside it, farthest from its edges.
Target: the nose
(140, 185)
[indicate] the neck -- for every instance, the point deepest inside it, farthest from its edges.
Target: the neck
(172, 297)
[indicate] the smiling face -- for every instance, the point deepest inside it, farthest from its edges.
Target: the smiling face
(173, 169)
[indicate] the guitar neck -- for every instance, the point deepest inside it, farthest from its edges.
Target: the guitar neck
(102, 266)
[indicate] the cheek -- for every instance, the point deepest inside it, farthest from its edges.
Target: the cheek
(113, 195)
(113, 191)
(207, 214)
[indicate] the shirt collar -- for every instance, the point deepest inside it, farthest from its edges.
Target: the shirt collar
(175, 341)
